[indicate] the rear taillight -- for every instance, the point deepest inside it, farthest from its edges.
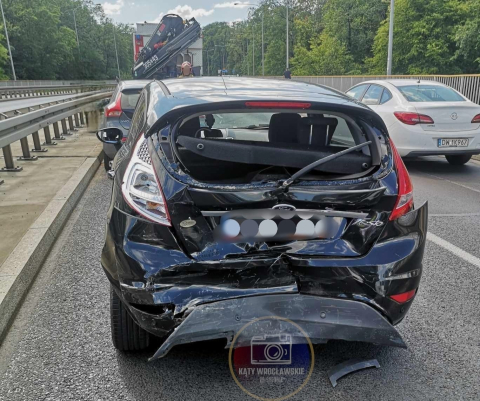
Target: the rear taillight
(405, 188)
(413, 118)
(404, 296)
(141, 188)
(476, 119)
(114, 109)
(279, 105)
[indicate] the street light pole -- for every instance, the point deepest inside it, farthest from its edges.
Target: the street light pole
(390, 38)
(263, 60)
(263, 47)
(286, 5)
(8, 42)
(116, 52)
(76, 31)
(253, 51)
(208, 62)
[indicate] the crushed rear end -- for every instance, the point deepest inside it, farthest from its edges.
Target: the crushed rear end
(185, 277)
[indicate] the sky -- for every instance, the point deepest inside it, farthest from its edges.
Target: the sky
(204, 11)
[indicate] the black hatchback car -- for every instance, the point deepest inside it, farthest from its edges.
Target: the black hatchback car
(236, 198)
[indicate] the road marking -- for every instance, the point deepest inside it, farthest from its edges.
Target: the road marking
(454, 249)
(454, 215)
(453, 182)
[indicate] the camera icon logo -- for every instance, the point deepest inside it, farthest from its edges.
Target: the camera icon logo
(271, 349)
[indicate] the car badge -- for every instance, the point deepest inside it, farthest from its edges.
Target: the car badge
(454, 116)
(188, 223)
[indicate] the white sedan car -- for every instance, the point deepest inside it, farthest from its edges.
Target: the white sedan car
(424, 117)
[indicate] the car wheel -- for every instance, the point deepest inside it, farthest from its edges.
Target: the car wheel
(106, 162)
(126, 334)
(458, 160)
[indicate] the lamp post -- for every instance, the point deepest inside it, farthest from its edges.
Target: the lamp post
(223, 58)
(8, 42)
(208, 61)
(390, 38)
(116, 52)
(263, 58)
(286, 6)
(75, 24)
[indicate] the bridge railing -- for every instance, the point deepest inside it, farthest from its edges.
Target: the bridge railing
(25, 83)
(20, 126)
(19, 92)
(467, 85)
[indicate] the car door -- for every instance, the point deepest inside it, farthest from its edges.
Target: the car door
(380, 100)
(357, 91)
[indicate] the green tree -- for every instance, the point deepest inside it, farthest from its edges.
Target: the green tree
(424, 38)
(327, 56)
(44, 42)
(4, 62)
(355, 23)
(467, 37)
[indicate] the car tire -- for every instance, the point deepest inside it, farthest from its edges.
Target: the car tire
(106, 162)
(458, 160)
(126, 334)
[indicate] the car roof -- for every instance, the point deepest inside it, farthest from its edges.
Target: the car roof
(246, 87)
(402, 82)
(135, 83)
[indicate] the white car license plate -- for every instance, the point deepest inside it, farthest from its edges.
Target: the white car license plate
(453, 143)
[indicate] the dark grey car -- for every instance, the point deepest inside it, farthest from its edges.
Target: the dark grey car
(119, 112)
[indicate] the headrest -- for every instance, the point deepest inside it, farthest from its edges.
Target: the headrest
(190, 127)
(318, 121)
(283, 127)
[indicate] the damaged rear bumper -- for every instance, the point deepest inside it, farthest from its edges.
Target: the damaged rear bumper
(322, 319)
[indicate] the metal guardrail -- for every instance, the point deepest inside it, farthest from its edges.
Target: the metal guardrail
(467, 85)
(19, 108)
(21, 92)
(18, 128)
(24, 83)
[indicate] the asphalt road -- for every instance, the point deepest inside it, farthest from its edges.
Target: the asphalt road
(10, 105)
(59, 347)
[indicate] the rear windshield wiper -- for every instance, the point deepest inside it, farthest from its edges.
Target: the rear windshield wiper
(285, 184)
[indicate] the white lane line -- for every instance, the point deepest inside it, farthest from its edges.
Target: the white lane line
(454, 249)
(454, 183)
(454, 215)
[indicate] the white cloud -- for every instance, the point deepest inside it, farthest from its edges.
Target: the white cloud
(233, 4)
(186, 12)
(113, 8)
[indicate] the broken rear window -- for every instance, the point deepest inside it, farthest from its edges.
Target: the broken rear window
(257, 146)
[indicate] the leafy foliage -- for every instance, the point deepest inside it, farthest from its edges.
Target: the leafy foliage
(336, 37)
(44, 43)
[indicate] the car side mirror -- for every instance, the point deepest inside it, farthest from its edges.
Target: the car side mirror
(110, 135)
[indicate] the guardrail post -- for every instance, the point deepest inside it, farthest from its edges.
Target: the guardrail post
(56, 132)
(9, 164)
(48, 137)
(70, 123)
(26, 151)
(64, 127)
(36, 143)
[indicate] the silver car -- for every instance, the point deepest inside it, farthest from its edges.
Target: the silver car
(119, 112)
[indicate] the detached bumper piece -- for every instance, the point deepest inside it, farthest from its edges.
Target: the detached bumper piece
(322, 319)
(353, 365)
